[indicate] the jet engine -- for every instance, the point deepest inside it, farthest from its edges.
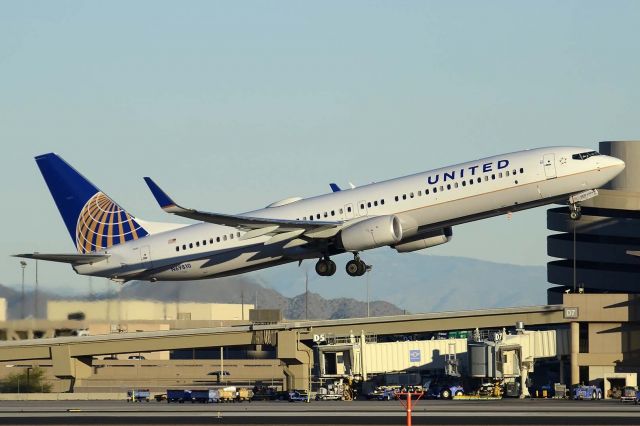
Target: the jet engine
(423, 241)
(371, 233)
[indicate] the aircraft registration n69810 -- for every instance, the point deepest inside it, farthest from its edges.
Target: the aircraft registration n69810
(408, 213)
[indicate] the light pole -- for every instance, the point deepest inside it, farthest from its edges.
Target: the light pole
(306, 294)
(35, 295)
(23, 265)
(368, 270)
(574, 255)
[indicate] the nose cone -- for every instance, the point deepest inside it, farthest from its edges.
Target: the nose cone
(614, 166)
(618, 164)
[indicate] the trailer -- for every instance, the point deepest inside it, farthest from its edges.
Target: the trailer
(178, 395)
(204, 396)
(228, 394)
(138, 395)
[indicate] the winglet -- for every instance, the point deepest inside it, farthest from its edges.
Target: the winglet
(334, 187)
(166, 203)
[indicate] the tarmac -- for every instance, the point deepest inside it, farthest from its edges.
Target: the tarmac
(503, 412)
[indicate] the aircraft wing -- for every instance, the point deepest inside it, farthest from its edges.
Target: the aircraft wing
(256, 226)
(74, 259)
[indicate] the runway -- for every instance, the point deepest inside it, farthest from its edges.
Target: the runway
(504, 412)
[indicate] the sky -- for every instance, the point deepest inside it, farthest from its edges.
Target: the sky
(231, 105)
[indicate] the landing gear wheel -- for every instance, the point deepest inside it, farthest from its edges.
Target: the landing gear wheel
(353, 267)
(326, 267)
(575, 211)
(362, 268)
(332, 268)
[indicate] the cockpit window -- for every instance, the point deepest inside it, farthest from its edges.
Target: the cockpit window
(584, 155)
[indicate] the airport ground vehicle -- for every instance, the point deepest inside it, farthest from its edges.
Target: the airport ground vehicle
(299, 396)
(384, 393)
(629, 394)
(138, 395)
(341, 389)
(264, 393)
(444, 387)
(587, 392)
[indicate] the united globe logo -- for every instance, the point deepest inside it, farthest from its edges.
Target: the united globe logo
(102, 223)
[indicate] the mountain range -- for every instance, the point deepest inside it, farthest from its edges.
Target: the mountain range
(397, 283)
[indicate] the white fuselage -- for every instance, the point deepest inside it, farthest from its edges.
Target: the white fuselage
(423, 202)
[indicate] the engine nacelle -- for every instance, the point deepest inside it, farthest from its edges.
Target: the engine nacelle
(424, 241)
(371, 233)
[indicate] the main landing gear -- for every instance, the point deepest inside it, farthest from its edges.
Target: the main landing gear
(326, 267)
(356, 267)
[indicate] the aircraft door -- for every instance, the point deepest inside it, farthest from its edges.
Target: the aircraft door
(549, 162)
(348, 211)
(362, 208)
(145, 256)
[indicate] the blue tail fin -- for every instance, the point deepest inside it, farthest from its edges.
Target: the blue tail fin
(93, 220)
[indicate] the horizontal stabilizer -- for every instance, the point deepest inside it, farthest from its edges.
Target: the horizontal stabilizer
(74, 259)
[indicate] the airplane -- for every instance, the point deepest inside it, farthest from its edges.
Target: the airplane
(408, 213)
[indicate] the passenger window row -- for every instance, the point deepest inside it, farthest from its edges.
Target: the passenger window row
(458, 184)
(218, 239)
(340, 211)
